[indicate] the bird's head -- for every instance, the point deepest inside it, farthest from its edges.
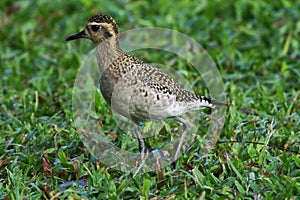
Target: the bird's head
(98, 28)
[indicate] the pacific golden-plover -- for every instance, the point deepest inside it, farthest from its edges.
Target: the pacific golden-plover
(134, 89)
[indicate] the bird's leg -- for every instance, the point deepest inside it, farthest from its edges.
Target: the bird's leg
(185, 130)
(141, 142)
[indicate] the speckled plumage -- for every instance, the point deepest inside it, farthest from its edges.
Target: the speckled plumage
(147, 91)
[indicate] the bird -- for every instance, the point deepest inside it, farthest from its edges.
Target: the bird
(136, 90)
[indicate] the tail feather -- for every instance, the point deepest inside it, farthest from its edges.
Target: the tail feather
(210, 102)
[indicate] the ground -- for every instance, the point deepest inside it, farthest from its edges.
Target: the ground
(255, 45)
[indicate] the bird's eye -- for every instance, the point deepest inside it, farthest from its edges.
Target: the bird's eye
(95, 27)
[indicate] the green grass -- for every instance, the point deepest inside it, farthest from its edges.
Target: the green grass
(256, 47)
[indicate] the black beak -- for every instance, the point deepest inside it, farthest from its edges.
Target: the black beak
(79, 35)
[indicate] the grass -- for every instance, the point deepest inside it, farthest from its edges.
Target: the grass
(256, 47)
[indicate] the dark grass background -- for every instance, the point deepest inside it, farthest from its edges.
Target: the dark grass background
(256, 47)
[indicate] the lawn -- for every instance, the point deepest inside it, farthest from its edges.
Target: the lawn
(255, 45)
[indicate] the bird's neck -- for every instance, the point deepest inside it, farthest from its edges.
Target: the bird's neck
(107, 51)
